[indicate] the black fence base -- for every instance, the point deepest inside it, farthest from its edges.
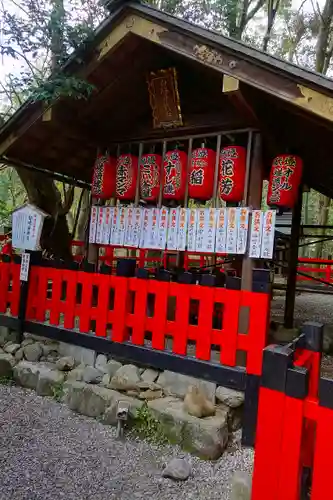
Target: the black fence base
(250, 410)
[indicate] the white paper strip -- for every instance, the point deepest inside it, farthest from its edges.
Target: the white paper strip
(25, 264)
(182, 231)
(93, 224)
(243, 229)
(163, 228)
(100, 223)
(192, 229)
(145, 227)
(173, 229)
(114, 228)
(137, 227)
(231, 245)
(268, 233)
(256, 234)
(199, 245)
(221, 231)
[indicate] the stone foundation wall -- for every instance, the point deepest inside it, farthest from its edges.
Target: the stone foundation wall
(196, 414)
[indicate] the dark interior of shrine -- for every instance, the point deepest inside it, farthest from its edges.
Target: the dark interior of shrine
(119, 113)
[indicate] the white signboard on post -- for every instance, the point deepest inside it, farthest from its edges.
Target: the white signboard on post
(107, 225)
(25, 264)
(268, 233)
(128, 239)
(256, 234)
(182, 229)
(99, 225)
(27, 225)
(163, 228)
(136, 234)
(145, 227)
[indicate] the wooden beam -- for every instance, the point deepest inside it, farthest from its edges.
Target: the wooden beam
(293, 262)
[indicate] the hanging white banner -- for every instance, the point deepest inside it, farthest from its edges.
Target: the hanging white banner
(268, 234)
(256, 234)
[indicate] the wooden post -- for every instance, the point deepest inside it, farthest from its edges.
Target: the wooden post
(92, 248)
(254, 194)
(292, 263)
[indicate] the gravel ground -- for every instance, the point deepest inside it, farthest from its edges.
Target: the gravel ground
(49, 452)
(308, 307)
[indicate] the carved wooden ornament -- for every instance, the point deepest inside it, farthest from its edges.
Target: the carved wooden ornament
(164, 98)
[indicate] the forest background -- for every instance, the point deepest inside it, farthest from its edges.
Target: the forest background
(36, 37)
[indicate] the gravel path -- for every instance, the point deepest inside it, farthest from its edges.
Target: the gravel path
(48, 452)
(308, 307)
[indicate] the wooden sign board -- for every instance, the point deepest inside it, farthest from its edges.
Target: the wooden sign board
(164, 98)
(27, 225)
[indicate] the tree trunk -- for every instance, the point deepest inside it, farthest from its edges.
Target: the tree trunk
(82, 226)
(43, 193)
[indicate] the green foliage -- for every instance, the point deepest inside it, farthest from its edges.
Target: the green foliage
(58, 391)
(6, 380)
(12, 194)
(148, 427)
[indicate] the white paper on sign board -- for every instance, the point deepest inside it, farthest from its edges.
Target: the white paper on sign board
(243, 229)
(154, 232)
(136, 234)
(144, 227)
(192, 229)
(114, 228)
(99, 225)
(25, 263)
(27, 224)
(210, 230)
(107, 224)
(93, 224)
(121, 223)
(182, 229)
(128, 239)
(256, 234)
(268, 233)
(163, 228)
(200, 230)
(221, 231)
(231, 245)
(173, 229)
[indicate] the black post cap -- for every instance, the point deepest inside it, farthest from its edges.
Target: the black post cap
(297, 382)
(314, 334)
(277, 360)
(233, 283)
(326, 392)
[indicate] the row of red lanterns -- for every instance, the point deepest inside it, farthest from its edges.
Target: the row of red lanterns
(118, 178)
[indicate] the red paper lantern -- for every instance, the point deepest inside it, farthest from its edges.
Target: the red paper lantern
(284, 181)
(127, 174)
(174, 166)
(150, 168)
(104, 177)
(201, 174)
(232, 166)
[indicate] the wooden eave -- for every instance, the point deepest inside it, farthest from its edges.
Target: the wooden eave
(303, 97)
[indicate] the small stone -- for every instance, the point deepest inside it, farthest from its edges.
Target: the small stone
(126, 378)
(26, 374)
(66, 363)
(178, 469)
(150, 375)
(49, 348)
(106, 380)
(19, 354)
(150, 395)
(91, 375)
(241, 486)
(6, 365)
(77, 373)
(144, 386)
(53, 357)
(112, 367)
(8, 335)
(101, 363)
(48, 381)
(27, 342)
(90, 400)
(12, 348)
(197, 404)
(229, 397)
(132, 394)
(175, 384)
(33, 352)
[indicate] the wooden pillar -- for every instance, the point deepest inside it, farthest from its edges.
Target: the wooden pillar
(92, 249)
(254, 194)
(292, 263)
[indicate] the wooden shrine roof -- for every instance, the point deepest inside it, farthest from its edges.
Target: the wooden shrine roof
(292, 107)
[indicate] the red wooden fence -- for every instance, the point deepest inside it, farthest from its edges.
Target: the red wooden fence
(125, 309)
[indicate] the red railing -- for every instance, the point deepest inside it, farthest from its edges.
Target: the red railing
(318, 268)
(126, 309)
